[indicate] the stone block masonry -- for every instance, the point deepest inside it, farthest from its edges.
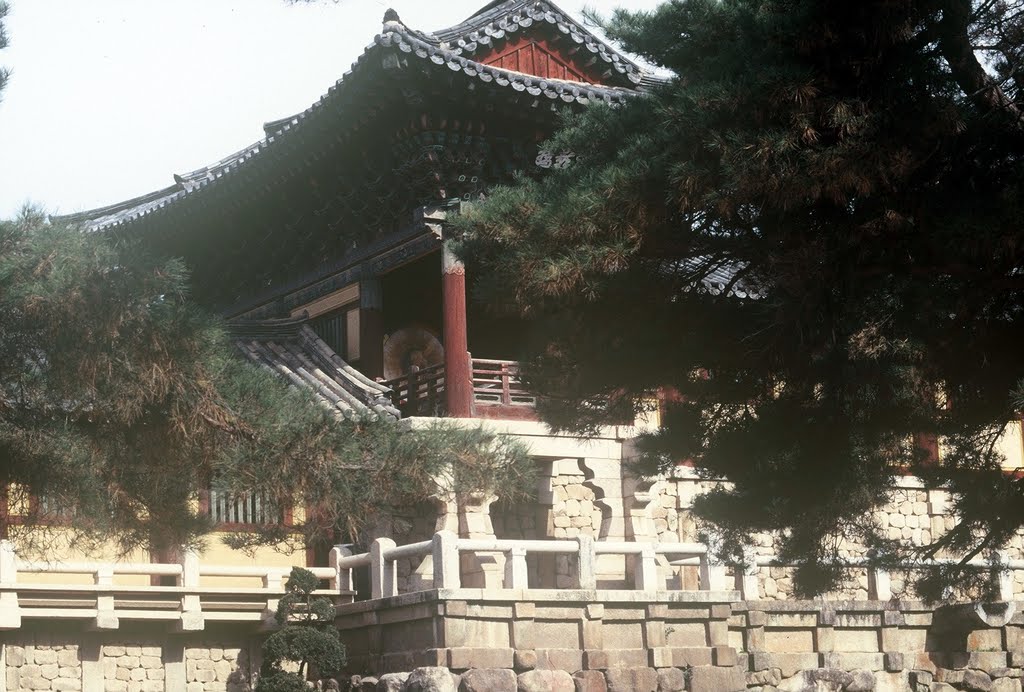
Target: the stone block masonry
(43, 664)
(216, 668)
(132, 668)
(77, 660)
(701, 642)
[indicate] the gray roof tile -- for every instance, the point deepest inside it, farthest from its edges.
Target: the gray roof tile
(395, 37)
(291, 349)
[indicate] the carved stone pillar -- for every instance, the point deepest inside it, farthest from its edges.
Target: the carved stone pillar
(479, 570)
(604, 477)
(446, 519)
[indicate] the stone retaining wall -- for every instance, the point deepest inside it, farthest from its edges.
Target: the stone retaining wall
(45, 663)
(649, 641)
(469, 639)
(132, 668)
(595, 497)
(698, 679)
(38, 659)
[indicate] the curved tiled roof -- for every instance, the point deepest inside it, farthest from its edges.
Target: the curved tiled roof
(714, 277)
(396, 39)
(291, 349)
(500, 19)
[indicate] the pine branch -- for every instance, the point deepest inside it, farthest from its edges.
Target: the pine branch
(980, 88)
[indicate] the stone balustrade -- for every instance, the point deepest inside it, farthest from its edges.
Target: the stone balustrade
(105, 602)
(446, 550)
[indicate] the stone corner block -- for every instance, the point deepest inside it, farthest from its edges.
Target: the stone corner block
(671, 680)
(715, 679)
(723, 656)
(589, 681)
(463, 658)
(721, 611)
(632, 679)
(488, 680)
(893, 618)
(392, 682)
(894, 661)
(430, 679)
(545, 681)
(457, 609)
(524, 659)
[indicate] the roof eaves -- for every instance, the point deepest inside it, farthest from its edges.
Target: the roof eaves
(495, 21)
(189, 183)
(569, 91)
(396, 36)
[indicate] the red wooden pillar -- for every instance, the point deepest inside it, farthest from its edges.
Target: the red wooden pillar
(371, 328)
(458, 375)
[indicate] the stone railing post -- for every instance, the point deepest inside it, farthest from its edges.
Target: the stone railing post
(746, 576)
(586, 577)
(1005, 577)
(191, 609)
(879, 585)
(712, 576)
(645, 577)
(106, 618)
(445, 553)
(10, 611)
(383, 575)
(272, 582)
(516, 574)
(342, 575)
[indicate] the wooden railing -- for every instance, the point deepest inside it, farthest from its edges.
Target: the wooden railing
(497, 382)
(419, 393)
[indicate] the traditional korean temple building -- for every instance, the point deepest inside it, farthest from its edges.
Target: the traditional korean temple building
(324, 244)
(324, 241)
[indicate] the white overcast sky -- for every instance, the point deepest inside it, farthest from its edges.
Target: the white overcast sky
(108, 98)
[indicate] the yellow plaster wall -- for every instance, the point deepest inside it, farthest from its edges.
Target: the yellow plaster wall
(58, 545)
(217, 553)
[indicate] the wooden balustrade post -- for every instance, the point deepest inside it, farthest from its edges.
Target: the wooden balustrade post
(10, 611)
(383, 575)
(506, 385)
(445, 552)
(879, 586)
(516, 574)
(416, 405)
(342, 576)
(645, 577)
(585, 561)
(191, 612)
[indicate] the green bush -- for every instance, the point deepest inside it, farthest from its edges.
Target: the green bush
(307, 637)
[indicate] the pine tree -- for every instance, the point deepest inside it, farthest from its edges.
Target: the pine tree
(810, 240)
(121, 401)
(4, 9)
